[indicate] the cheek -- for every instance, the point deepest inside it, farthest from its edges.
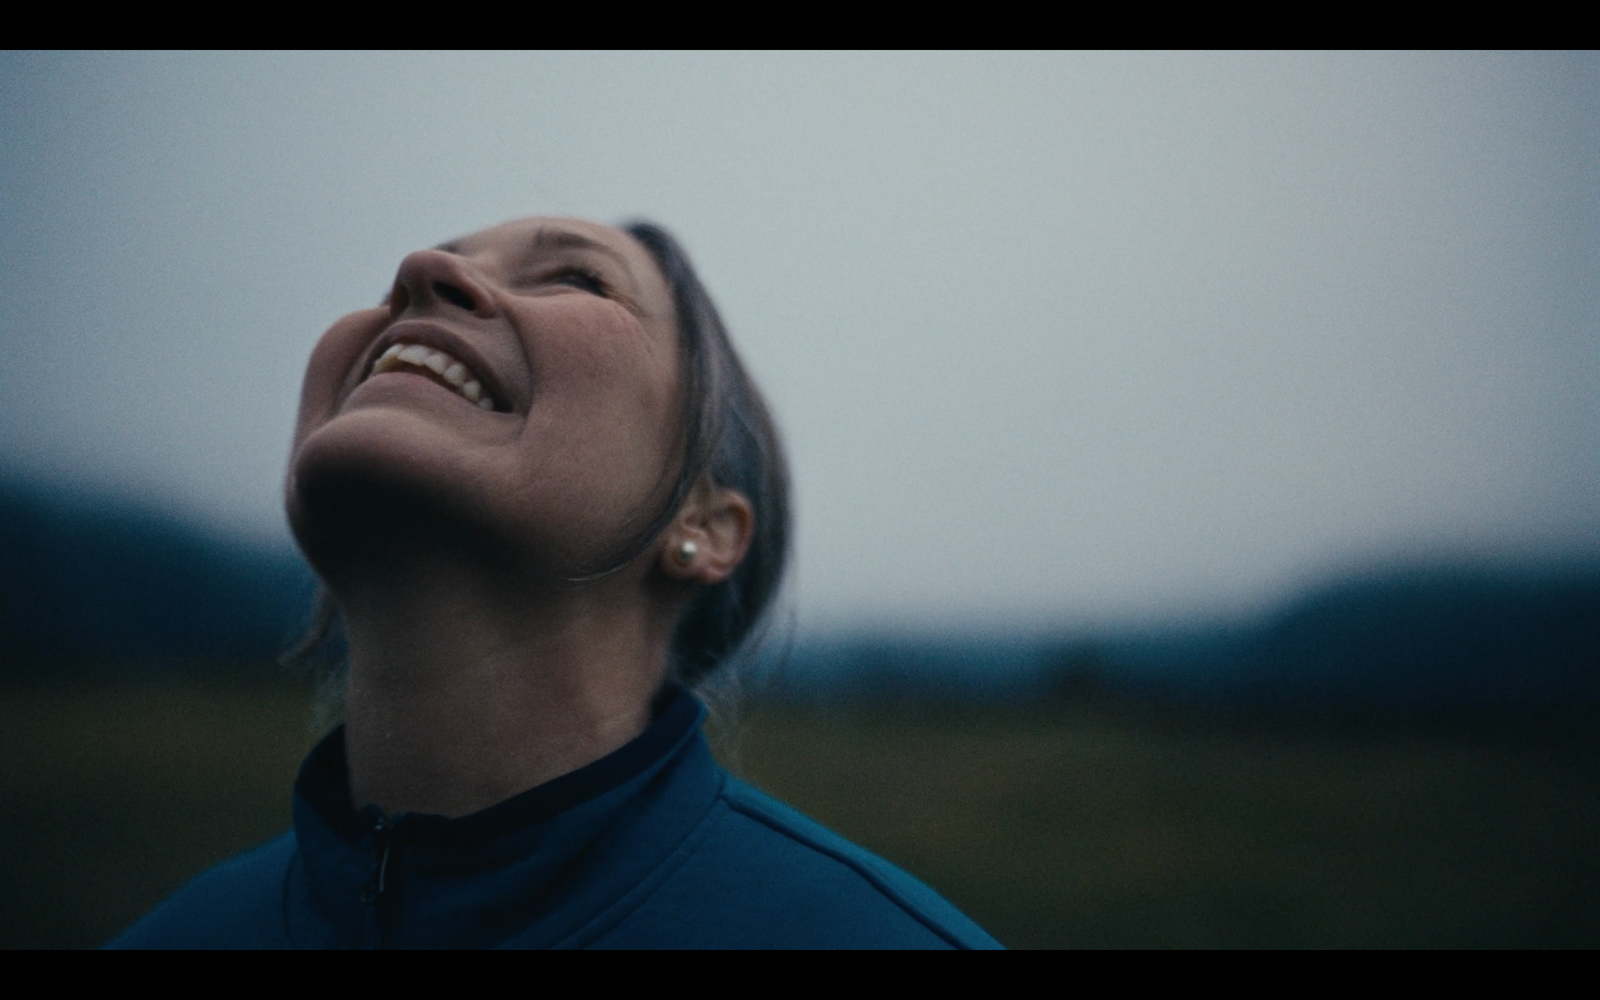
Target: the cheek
(605, 416)
(331, 366)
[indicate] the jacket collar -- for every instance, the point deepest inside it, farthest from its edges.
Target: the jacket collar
(416, 880)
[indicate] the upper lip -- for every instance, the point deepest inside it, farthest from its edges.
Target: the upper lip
(429, 334)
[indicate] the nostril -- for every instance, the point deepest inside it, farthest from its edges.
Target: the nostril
(454, 296)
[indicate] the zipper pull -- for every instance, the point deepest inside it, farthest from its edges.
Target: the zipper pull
(382, 841)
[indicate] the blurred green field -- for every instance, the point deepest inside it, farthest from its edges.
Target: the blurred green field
(1082, 825)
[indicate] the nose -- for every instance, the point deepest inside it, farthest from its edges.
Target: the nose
(433, 279)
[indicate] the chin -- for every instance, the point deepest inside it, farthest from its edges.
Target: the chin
(393, 492)
(380, 490)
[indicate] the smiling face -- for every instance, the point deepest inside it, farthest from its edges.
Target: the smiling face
(520, 387)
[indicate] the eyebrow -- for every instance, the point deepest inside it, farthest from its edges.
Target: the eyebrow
(566, 239)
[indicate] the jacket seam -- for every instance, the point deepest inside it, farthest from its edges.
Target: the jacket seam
(288, 880)
(618, 912)
(860, 868)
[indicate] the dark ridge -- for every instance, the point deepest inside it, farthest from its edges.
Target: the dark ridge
(91, 578)
(1440, 641)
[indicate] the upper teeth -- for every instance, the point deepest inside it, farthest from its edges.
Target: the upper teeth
(453, 371)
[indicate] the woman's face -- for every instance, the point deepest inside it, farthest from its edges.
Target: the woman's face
(522, 381)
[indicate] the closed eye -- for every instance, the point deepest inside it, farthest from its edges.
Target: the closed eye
(587, 280)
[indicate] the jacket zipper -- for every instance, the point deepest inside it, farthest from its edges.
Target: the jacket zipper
(382, 844)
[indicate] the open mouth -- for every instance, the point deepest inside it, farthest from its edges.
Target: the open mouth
(436, 365)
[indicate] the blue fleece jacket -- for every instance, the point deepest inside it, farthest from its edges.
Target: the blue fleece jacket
(653, 846)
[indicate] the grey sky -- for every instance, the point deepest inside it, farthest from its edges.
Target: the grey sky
(1051, 336)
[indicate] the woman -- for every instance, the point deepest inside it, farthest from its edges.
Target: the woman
(546, 500)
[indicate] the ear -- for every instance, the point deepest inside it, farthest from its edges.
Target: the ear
(708, 539)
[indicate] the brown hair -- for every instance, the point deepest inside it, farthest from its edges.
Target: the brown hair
(729, 436)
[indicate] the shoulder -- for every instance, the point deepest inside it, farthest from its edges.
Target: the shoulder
(764, 876)
(237, 904)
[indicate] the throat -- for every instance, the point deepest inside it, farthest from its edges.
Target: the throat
(452, 708)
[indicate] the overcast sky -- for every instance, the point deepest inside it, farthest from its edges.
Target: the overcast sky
(1052, 337)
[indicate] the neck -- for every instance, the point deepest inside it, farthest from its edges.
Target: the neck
(466, 689)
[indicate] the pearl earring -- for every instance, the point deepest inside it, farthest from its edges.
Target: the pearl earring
(686, 552)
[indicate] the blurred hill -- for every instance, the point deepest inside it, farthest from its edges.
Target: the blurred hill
(91, 578)
(1430, 640)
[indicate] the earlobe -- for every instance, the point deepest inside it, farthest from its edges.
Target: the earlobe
(710, 536)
